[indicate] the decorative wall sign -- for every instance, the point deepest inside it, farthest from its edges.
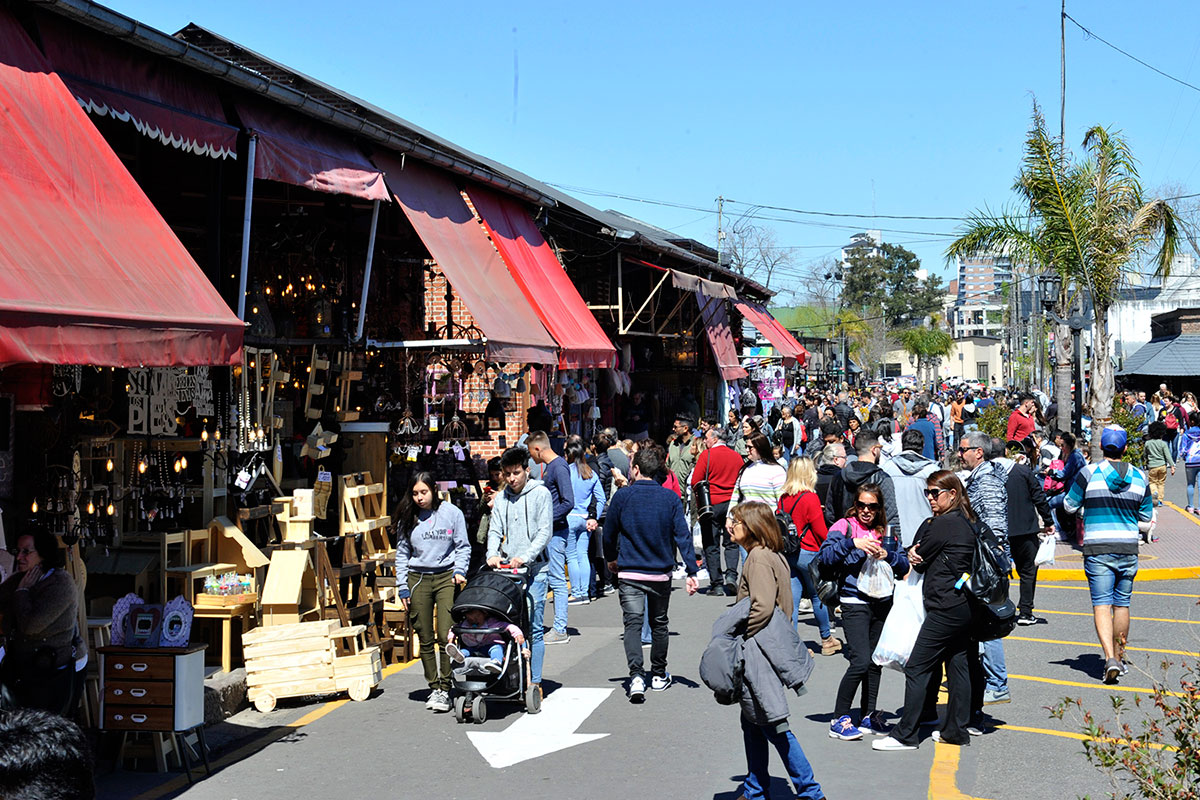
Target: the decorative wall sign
(156, 394)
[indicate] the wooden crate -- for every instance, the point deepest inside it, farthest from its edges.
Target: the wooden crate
(301, 659)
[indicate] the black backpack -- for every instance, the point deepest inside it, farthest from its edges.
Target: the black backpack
(987, 587)
(787, 529)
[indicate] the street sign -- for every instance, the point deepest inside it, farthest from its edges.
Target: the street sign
(536, 735)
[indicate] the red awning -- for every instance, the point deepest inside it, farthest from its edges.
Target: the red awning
(764, 323)
(89, 271)
(456, 240)
(716, 323)
(294, 149)
(117, 80)
(544, 282)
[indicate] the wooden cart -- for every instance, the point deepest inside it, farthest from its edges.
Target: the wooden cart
(302, 659)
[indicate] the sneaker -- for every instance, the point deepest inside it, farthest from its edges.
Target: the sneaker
(578, 601)
(805, 605)
(831, 646)
(937, 737)
(972, 730)
(555, 637)
(842, 728)
(873, 724)
(429, 702)
(659, 683)
(702, 574)
(439, 701)
(678, 574)
(888, 743)
(455, 654)
(637, 689)
(493, 667)
(991, 698)
(1112, 670)
(1029, 619)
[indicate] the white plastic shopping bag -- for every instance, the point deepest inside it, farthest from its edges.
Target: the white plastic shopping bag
(903, 623)
(876, 578)
(1045, 553)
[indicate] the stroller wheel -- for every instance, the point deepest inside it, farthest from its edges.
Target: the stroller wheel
(533, 700)
(460, 705)
(479, 711)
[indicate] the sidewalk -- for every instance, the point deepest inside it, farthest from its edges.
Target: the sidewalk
(1175, 556)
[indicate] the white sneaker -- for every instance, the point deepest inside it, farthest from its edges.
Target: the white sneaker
(439, 701)
(659, 683)
(805, 605)
(637, 689)
(888, 743)
(702, 574)
(429, 702)
(937, 737)
(678, 574)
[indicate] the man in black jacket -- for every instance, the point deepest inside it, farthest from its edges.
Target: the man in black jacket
(1026, 503)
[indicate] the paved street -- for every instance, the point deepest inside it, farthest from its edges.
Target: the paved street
(681, 744)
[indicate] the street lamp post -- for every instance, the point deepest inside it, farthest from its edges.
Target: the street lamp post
(1050, 287)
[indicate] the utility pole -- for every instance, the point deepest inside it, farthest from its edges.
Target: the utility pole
(1062, 73)
(720, 227)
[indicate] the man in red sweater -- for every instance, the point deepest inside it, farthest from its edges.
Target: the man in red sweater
(1023, 420)
(719, 464)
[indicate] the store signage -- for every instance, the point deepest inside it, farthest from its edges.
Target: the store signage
(156, 394)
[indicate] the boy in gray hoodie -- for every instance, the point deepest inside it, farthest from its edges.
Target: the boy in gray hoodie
(518, 531)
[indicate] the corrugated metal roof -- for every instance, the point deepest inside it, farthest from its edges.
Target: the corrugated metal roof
(1173, 356)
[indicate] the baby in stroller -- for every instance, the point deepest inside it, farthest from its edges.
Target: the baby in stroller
(481, 634)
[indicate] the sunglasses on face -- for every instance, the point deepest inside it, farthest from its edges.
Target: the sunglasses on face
(962, 450)
(867, 506)
(933, 494)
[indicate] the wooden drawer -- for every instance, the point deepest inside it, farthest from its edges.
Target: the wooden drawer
(148, 667)
(138, 718)
(139, 693)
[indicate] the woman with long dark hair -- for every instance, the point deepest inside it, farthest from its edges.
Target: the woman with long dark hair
(762, 478)
(943, 550)
(432, 555)
(853, 542)
(582, 519)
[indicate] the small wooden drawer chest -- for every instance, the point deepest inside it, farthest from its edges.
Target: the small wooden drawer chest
(151, 689)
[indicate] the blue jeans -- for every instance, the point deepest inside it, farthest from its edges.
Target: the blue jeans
(579, 566)
(646, 638)
(995, 671)
(1193, 483)
(537, 647)
(495, 652)
(557, 551)
(802, 586)
(757, 758)
(1110, 578)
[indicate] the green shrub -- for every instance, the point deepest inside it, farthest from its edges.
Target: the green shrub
(994, 421)
(1135, 449)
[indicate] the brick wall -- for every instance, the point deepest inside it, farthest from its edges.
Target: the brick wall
(475, 389)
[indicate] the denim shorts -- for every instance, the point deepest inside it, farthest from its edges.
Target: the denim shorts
(1110, 578)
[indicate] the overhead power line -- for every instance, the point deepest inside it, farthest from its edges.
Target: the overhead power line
(1127, 54)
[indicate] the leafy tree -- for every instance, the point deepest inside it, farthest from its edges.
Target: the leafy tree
(887, 285)
(1086, 220)
(927, 344)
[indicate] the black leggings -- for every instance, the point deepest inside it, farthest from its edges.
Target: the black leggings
(1024, 550)
(862, 624)
(945, 637)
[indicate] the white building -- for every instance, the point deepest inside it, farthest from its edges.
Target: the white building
(1129, 318)
(979, 306)
(868, 242)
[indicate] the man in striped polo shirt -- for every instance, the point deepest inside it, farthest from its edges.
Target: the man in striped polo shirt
(1114, 499)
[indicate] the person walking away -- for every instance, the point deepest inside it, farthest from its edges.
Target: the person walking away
(1189, 454)
(1029, 519)
(908, 472)
(643, 527)
(432, 556)
(853, 542)
(944, 550)
(1114, 499)
(800, 502)
(582, 521)
(762, 478)
(1158, 461)
(720, 466)
(766, 582)
(557, 478)
(829, 463)
(520, 529)
(1023, 420)
(987, 491)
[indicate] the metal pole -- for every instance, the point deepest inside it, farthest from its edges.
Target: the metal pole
(1062, 108)
(620, 294)
(1077, 417)
(245, 265)
(362, 301)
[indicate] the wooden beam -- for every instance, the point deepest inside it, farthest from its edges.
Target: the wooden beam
(646, 302)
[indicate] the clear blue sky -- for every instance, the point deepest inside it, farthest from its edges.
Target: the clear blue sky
(874, 107)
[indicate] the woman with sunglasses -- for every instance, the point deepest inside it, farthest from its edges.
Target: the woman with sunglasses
(853, 540)
(943, 549)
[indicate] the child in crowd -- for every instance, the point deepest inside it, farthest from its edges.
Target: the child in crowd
(476, 644)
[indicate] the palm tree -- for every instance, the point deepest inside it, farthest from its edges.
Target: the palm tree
(1086, 221)
(927, 344)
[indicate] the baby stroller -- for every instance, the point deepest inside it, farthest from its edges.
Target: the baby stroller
(501, 594)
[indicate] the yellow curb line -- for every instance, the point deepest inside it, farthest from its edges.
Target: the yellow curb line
(943, 773)
(1084, 589)
(1096, 645)
(1140, 619)
(268, 738)
(1109, 687)
(1143, 574)
(1069, 735)
(1189, 517)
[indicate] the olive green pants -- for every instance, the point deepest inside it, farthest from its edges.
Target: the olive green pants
(429, 592)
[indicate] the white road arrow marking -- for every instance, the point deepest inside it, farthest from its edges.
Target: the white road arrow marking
(535, 735)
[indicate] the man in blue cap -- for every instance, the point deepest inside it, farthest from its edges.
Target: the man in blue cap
(1114, 500)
